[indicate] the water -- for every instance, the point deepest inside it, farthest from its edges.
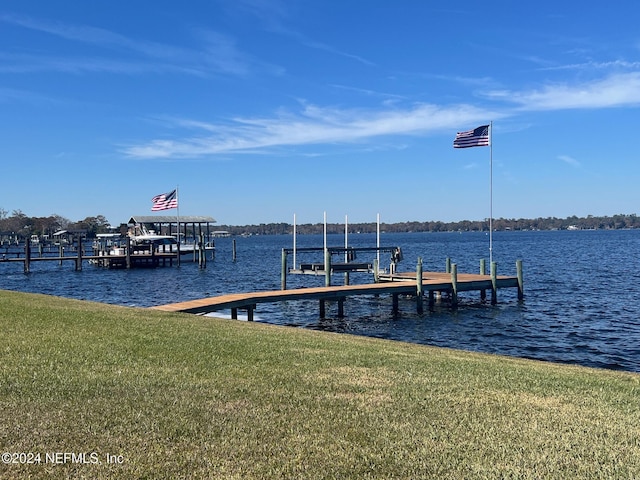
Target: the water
(580, 307)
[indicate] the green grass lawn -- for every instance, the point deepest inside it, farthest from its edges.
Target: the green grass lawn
(181, 396)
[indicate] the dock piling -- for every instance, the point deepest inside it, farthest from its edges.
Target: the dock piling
(283, 270)
(483, 271)
(327, 267)
(419, 305)
(27, 257)
(79, 257)
(128, 253)
(520, 279)
(454, 285)
(376, 273)
(494, 283)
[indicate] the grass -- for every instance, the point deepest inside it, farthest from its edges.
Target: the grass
(181, 396)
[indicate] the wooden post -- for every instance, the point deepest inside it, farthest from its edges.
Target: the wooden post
(376, 275)
(60, 251)
(327, 268)
(234, 314)
(27, 256)
(431, 299)
(323, 310)
(454, 285)
(79, 258)
(179, 238)
(154, 260)
(394, 307)
(447, 265)
(419, 286)
(233, 248)
(283, 270)
(250, 309)
(494, 283)
(128, 253)
(520, 279)
(202, 254)
(483, 271)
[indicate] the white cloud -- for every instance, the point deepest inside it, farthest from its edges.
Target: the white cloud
(613, 91)
(314, 125)
(569, 160)
(311, 126)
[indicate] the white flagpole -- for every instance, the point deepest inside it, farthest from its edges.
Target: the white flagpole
(490, 193)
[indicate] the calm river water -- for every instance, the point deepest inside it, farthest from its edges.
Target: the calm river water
(581, 306)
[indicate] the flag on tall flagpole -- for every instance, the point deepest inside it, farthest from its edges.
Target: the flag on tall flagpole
(165, 201)
(481, 137)
(478, 137)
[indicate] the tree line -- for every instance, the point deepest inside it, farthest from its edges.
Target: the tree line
(21, 226)
(18, 225)
(590, 222)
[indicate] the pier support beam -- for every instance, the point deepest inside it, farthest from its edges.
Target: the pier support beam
(520, 279)
(79, 258)
(419, 305)
(483, 271)
(128, 253)
(27, 256)
(454, 285)
(327, 267)
(202, 254)
(494, 283)
(283, 270)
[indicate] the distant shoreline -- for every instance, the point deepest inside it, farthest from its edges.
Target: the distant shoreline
(616, 222)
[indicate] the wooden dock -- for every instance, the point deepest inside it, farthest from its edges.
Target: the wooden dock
(432, 284)
(141, 259)
(132, 256)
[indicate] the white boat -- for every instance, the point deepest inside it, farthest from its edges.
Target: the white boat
(169, 244)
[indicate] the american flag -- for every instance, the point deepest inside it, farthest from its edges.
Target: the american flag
(478, 137)
(165, 201)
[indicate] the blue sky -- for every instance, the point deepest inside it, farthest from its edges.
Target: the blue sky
(261, 109)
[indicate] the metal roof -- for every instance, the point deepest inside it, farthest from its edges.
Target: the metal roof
(171, 219)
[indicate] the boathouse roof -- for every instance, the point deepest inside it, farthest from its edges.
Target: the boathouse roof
(170, 219)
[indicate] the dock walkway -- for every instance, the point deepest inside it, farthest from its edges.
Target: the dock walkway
(398, 284)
